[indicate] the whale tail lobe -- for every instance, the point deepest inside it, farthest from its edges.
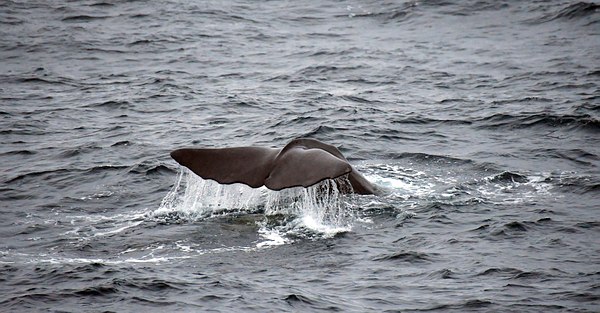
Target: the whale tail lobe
(297, 164)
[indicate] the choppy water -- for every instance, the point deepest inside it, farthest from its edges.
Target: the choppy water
(481, 118)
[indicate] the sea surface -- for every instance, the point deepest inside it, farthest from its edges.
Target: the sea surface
(479, 119)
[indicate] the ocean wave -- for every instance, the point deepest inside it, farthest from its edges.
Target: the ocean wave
(46, 80)
(319, 70)
(406, 256)
(442, 274)
(461, 306)
(508, 177)
(321, 130)
(579, 156)
(578, 184)
(122, 143)
(298, 298)
(505, 272)
(421, 120)
(588, 225)
(105, 289)
(71, 152)
(583, 122)
(574, 11)
(101, 4)
(532, 275)
(387, 15)
(429, 158)
(503, 230)
(19, 152)
(151, 169)
(10, 20)
(61, 172)
(84, 18)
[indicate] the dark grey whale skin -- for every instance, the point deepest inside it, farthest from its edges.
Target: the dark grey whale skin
(302, 162)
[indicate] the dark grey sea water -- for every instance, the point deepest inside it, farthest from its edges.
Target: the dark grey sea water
(480, 118)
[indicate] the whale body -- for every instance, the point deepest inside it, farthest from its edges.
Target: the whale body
(302, 162)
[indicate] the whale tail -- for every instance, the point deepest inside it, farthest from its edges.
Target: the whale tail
(301, 163)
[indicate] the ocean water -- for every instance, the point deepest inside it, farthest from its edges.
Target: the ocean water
(479, 118)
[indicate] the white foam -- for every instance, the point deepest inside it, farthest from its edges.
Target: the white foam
(404, 186)
(123, 259)
(327, 230)
(117, 230)
(110, 225)
(273, 238)
(515, 192)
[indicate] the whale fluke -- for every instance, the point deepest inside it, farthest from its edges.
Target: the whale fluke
(301, 163)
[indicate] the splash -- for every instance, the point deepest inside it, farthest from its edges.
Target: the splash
(195, 197)
(322, 210)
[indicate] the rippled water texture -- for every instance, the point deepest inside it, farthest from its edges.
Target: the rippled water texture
(480, 119)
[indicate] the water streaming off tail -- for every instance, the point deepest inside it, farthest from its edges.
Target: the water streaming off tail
(323, 209)
(195, 197)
